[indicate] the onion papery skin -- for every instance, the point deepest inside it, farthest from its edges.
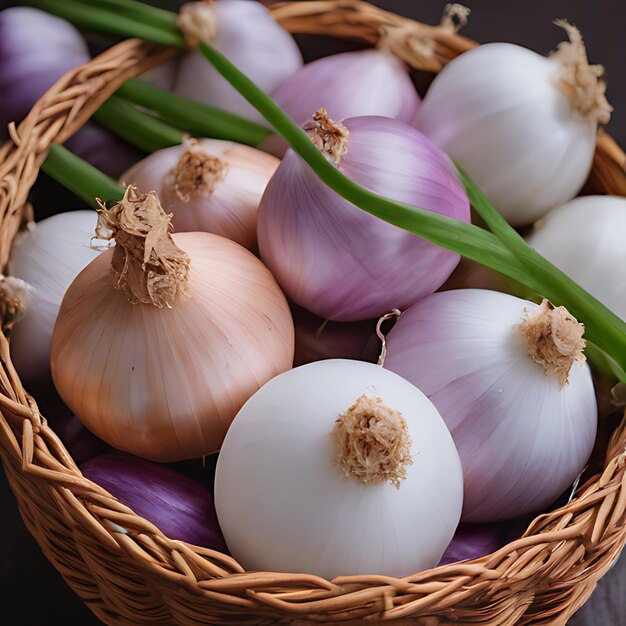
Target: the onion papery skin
(48, 256)
(585, 238)
(36, 50)
(277, 462)
(165, 384)
(180, 507)
(522, 439)
(497, 111)
(350, 84)
(318, 339)
(340, 262)
(249, 38)
(230, 208)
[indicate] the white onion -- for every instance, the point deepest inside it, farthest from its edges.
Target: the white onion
(586, 238)
(351, 84)
(522, 433)
(246, 34)
(48, 256)
(522, 125)
(285, 501)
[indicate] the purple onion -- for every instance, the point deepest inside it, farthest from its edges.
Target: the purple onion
(472, 541)
(248, 36)
(351, 84)
(103, 149)
(180, 507)
(163, 75)
(36, 49)
(79, 442)
(318, 339)
(523, 426)
(340, 262)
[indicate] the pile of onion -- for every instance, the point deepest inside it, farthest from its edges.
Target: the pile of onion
(172, 346)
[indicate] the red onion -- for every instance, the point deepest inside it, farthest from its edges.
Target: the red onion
(180, 507)
(338, 261)
(472, 541)
(509, 379)
(246, 34)
(36, 49)
(103, 149)
(318, 339)
(351, 84)
(79, 442)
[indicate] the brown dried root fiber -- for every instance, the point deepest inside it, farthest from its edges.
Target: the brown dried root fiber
(330, 137)
(149, 267)
(372, 443)
(196, 174)
(15, 296)
(555, 340)
(581, 82)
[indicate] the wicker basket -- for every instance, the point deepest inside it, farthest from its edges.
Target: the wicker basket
(128, 572)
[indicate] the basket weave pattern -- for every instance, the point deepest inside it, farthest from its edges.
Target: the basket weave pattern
(128, 572)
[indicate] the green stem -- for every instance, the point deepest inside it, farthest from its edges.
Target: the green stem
(79, 177)
(145, 13)
(556, 285)
(102, 19)
(140, 129)
(198, 119)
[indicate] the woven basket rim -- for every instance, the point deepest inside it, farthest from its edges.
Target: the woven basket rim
(558, 560)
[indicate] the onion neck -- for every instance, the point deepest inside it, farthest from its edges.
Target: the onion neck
(15, 295)
(372, 443)
(331, 138)
(417, 43)
(196, 174)
(555, 340)
(581, 82)
(198, 22)
(149, 267)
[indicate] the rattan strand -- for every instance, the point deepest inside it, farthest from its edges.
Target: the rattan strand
(128, 572)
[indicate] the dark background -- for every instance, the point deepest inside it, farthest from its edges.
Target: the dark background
(32, 593)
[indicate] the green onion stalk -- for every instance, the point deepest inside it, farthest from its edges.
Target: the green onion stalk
(500, 248)
(195, 118)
